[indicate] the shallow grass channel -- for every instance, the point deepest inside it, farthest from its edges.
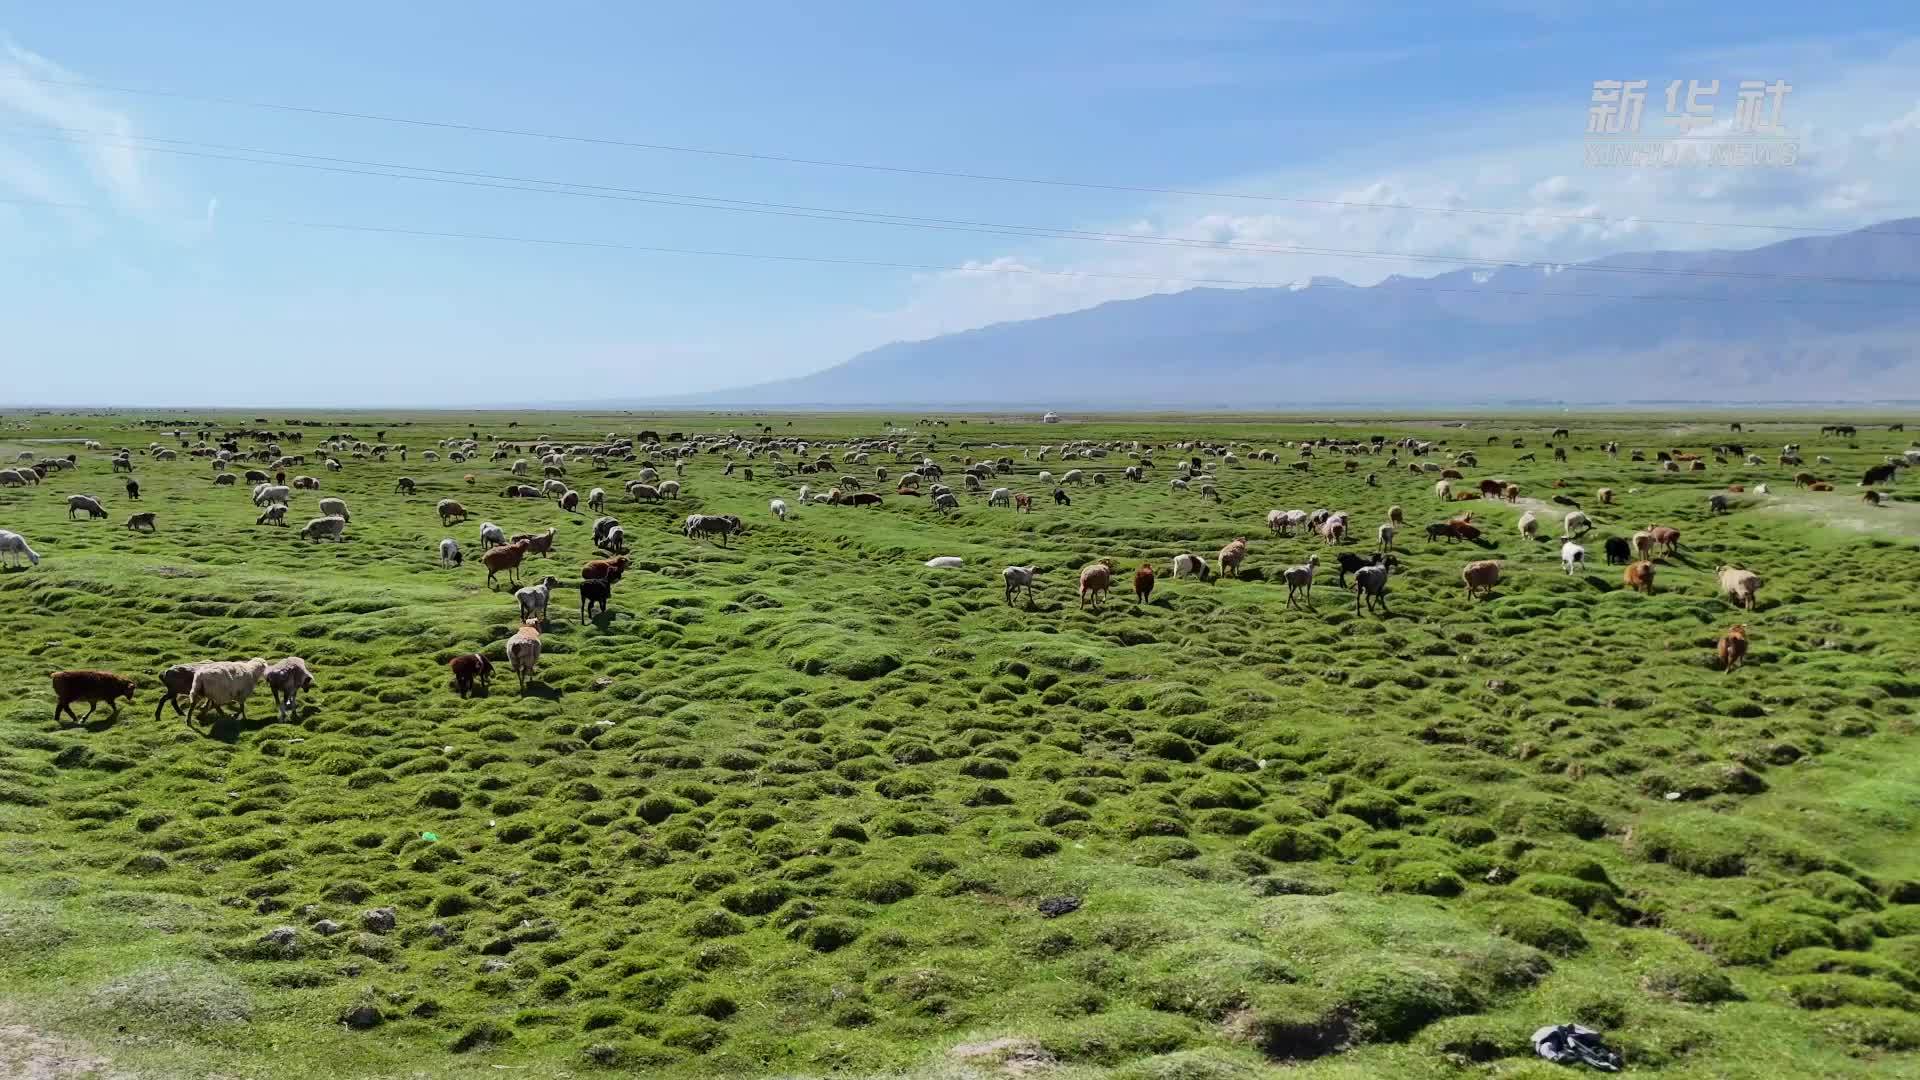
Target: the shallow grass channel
(803, 806)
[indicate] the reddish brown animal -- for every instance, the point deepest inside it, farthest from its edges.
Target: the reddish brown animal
(1819, 487)
(1480, 577)
(1143, 583)
(1466, 496)
(505, 557)
(1512, 492)
(1094, 580)
(865, 498)
(1231, 556)
(1665, 538)
(608, 570)
(92, 687)
(1023, 504)
(540, 544)
(1639, 577)
(470, 670)
(1492, 488)
(1733, 647)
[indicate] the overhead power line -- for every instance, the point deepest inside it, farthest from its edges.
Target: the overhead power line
(949, 174)
(401, 171)
(1296, 286)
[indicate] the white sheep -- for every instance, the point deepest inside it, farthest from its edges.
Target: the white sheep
(1575, 524)
(271, 493)
(779, 508)
(670, 489)
(1572, 555)
(13, 546)
(1045, 477)
(335, 508)
(1019, 577)
(1529, 525)
(87, 504)
(533, 599)
(597, 500)
(221, 684)
(1761, 490)
(324, 526)
(1073, 476)
(1443, 490)
(286, 678)
(946, 562)
(1386, 536)
(1190, 565)
(805, 492)
(1299, 580)
(1000, 497)
(450, 552)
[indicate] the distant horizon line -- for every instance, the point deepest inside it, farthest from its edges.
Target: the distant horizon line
(1426, 406)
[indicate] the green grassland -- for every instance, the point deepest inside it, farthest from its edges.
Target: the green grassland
(792, 809)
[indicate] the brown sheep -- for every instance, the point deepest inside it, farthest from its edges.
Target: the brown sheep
(1639, 577)
(1231, 556)
(1733, 647)
(1820, 487)
(1667, 539)
(1480, 577)
(540, 544)
(608, 570)
(92, 687)
(1094, 579)
(1143, 583)
(1512, 492)
(505, 557)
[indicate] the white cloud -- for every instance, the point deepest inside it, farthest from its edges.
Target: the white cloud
(114, 169)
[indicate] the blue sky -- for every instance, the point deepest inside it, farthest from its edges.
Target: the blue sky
(182, 284)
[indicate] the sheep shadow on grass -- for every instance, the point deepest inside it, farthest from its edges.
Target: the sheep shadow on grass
(227, 727)
(540, 690)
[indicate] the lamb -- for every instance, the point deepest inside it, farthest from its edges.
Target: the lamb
(133, 489)
(91, 505)
(1299, 581)
(141, 521)
(1190, 565)
(595, 594)
(470, 670)
(92, 687)
(1732, 647)
(335, 508)
(450, 511)
(450, 552)
(1575, 524)
(1023, 503)
(1016, 578)
(491, 535)
(523, 653)
(1143, 583)
(220, 684)
(779, 508)
(286, 678)
(1387, 532)
(533, 599)
(505, 557)
(324, 526)
(1370, 582)
(1094, 580)
(1740, 586)
(1480, 577)
(176, 684)
(946, 562)
(1572, 555)
(1643, 543)
(1232, 555)
(13, 547)
(273, 515)
(1639, 577)
(1606, 496)
(1530, 525)
(404, 485)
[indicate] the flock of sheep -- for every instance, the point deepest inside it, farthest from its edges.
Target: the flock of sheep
(228, 684)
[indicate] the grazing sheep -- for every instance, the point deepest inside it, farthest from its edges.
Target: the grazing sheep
(223, 480)
(597, 500)
(133, 489)
(1606, 496)
(141, 521)
(1370, 583)
(273, 515)
(533, 599)
(306, 483)
(1387, 533)
(87, 503)
(523, 653)
(505, 557)
(1665, 538)
(450, 552)
(1334, 529)
(1740, 586)
(943, 501)
(1395, 515)
(470, 670)
(595, 594)
(267, 494)
(1572, 555)
(1190, 565)
(1619, 551)
(324, 527)
(1480, 577)
(1639, 577)
(92, 687)
(13, 547)
(1177, 484)
(1232, 555)
(1299, 581)
(1732, 647)
(946, 562)
(608, 570)
(1016, 578)
(1643, 543)
(335, 508)
(540, 544)
(1073, 476)
(1443, 491)
(570, 501)
(779, 508)
(1023, 504)
(1278, 522)
(450, 512)
(721, 525)
(221, 684)
(1143, 583)
(491, 535)
(1575, 524)
(286, 678)
(404, 485)
(1095, 578)
(1530, 526)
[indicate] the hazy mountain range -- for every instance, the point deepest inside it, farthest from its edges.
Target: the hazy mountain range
(1771, 323)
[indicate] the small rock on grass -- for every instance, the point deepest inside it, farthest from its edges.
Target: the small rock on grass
(1055, 906)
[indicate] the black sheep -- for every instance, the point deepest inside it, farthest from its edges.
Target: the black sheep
(1618, 551)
